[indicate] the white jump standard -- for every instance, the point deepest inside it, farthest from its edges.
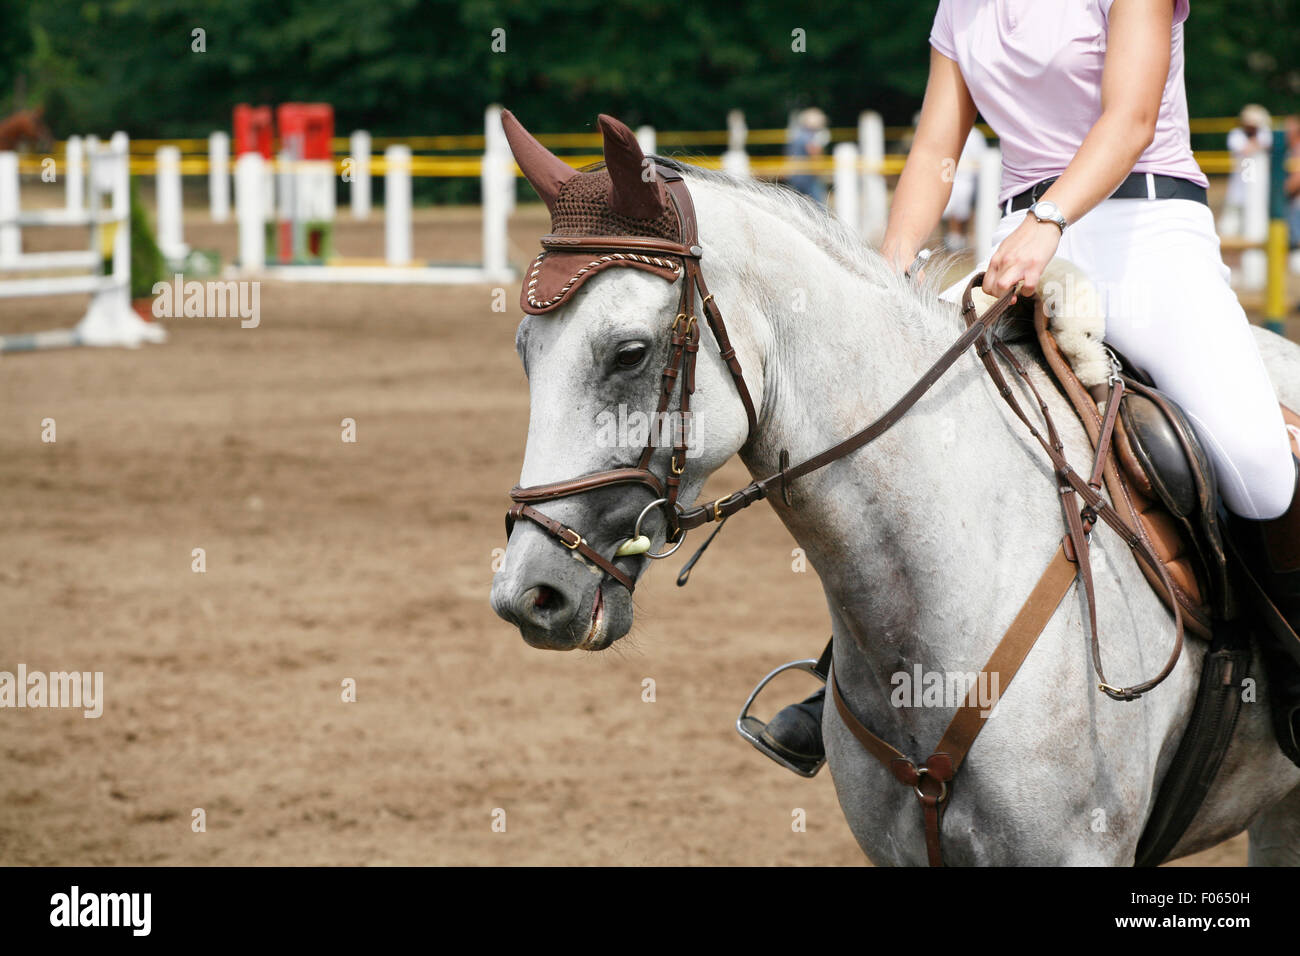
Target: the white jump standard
(109, 319)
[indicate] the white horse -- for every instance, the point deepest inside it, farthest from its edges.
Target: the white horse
(927, 542)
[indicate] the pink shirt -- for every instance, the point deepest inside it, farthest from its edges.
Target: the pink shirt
(1034, 68)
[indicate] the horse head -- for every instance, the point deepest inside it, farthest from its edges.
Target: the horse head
(627, 392)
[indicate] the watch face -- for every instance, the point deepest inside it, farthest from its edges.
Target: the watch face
(1046, 209)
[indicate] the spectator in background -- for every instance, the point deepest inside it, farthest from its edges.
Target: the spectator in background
(809, 139)
(1252, 137)
(1293, 179)
(962, 201)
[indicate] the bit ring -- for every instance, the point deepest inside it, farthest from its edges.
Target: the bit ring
(636, 530)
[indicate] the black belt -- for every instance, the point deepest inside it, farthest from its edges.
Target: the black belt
(1134, 186)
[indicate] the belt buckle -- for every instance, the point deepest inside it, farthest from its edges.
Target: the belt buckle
(1037, 190)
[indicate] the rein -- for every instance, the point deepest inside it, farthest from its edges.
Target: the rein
(930, 780)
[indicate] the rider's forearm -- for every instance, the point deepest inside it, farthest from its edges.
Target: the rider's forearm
(923, 191)
(947, 115)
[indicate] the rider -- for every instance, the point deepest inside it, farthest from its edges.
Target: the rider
(1088, 101)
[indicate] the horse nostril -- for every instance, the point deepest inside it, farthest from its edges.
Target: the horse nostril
(544, 606)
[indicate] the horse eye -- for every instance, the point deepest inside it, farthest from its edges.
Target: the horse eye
(630, 356)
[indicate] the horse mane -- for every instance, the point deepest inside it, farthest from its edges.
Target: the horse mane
(915, 303)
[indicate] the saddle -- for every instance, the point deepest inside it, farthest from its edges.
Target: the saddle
(1159, 477)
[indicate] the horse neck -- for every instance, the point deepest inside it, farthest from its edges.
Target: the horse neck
(912, 535)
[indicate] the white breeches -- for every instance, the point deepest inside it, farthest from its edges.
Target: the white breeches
(1170, 310)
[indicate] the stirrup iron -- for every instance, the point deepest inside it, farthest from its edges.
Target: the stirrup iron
(751, 728)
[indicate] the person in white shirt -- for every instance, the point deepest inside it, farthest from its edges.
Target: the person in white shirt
(1252, 138)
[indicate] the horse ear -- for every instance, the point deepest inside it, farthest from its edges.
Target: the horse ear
(546, 171)
(630, 194)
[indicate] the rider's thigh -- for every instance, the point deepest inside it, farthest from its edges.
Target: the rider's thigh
(1171, 310)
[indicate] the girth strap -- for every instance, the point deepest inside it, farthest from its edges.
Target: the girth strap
(931, 779)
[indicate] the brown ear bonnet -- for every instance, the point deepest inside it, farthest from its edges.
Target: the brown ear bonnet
(620, 200)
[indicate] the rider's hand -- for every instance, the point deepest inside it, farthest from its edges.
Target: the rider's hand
(898, 255)
(1022, 257)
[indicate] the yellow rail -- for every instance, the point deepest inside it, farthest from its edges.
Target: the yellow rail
(681, 139)
(1213, 163)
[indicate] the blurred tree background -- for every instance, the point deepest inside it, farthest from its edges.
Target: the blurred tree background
(420, 67)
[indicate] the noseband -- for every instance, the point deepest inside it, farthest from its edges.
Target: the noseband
(678, 376)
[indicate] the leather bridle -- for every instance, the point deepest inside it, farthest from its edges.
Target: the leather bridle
(678, 376)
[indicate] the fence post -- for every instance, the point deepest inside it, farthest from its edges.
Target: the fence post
(735, 160)
(74, 176)
(845, 157)
(875, 194)
(1254, 224)
(987, 211)
(646, 139)
(397, 205)
(219, 176)
(250, 210)
(497, 184)
(359, 190)
(496, 144)
(10, 236)
(167, 194)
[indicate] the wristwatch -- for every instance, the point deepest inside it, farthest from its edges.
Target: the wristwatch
(1047, 211)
